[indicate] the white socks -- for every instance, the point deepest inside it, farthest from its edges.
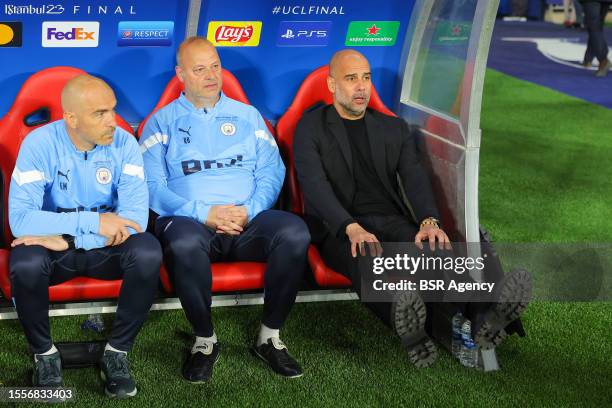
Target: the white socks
(111, 348)
(52, 350)
(265, 333)
(204, 343)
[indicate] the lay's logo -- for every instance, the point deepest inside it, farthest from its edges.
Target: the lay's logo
(234, 33)
(70, 34)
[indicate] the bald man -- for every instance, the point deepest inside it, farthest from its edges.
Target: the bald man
(347, 159)
(214, 173)
(78, 203)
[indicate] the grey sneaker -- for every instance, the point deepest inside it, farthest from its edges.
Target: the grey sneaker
(48, 371)
(115, 372)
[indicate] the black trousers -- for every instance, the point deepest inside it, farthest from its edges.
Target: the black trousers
(34, 268)
(395, 228)
(279, 238)
(594, 17)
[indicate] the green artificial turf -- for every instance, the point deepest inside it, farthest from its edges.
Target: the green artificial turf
(545, 173)
(350, 358)
(546, 164)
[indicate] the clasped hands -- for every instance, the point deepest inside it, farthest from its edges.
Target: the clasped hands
(227, 219)
(112, 227)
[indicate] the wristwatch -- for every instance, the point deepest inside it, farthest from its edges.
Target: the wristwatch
(69, 240)
(430, 221)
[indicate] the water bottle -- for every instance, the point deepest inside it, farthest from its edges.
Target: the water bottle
(469, 350)
(93, 322)
(456, 342)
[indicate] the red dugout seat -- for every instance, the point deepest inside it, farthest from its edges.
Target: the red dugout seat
(227, 276)
(312, 92)
(231, 88)
(42, 91)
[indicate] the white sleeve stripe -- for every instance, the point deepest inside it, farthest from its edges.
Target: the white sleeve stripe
(24, 177)
(152, 141)
(262, 134)
(133, 170)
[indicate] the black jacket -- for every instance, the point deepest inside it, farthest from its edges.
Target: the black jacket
(324, 165)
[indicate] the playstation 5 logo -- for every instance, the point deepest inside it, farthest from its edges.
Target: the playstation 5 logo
(288, 34)
(303, 33)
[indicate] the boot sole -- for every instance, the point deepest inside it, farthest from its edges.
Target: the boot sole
(409, 315)
(513, 301)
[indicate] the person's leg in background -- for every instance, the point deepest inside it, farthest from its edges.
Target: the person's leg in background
(594, 15)
(589, 55)
(604, 66)
(579, 13)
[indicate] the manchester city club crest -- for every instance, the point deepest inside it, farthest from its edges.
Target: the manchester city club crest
(104, 175)
(228, 129)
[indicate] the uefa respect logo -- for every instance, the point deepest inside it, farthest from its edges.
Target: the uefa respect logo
(145, 33)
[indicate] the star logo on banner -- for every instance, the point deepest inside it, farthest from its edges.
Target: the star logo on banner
(373, 30)
(456, 30)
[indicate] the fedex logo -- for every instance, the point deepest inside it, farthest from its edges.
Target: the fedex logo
(75, 34)
(70, 34)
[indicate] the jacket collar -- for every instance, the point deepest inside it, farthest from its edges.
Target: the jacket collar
(186, 103)
(336, 126)
(61, 128)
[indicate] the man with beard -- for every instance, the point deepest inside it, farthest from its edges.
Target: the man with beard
(347, 159)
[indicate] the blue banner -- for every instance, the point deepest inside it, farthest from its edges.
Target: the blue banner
(272, 72)
(270, 46)
(137, 74)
